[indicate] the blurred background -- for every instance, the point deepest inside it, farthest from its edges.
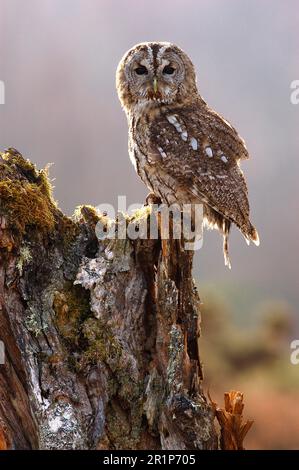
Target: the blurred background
(58, 60)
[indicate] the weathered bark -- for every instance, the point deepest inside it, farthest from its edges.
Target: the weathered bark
(101, 338)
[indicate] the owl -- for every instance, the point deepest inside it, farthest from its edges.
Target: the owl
(183, 150)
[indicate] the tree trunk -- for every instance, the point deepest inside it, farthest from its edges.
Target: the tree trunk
(100, 337)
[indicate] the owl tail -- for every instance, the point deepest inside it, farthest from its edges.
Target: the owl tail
(226, 224)
(250, 234)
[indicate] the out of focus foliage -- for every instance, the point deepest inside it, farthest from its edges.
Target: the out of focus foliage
(255, 360)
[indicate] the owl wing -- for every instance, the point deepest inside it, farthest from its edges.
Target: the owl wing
(200, 152)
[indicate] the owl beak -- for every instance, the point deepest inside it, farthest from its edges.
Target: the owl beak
(155, 85)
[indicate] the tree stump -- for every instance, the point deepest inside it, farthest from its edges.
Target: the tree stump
(100, 337)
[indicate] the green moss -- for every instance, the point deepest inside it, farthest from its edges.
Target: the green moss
(14, 158)
(102, 346)
(118, 427)
(95, 339)
(15, 164)
(96, 343)
(25, 194)
(68, 231)
(25, 205)
(142, 213)
(124, 427)
(71, 307)
(89, 214)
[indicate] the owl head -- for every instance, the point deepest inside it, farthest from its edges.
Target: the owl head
(155, 73)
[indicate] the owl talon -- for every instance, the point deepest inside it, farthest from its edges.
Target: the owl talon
(151, 198)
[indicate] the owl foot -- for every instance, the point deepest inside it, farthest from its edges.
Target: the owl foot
(151, 198)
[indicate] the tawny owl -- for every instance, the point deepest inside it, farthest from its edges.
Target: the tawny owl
(183, 150)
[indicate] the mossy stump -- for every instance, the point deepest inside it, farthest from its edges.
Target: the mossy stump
(100, 337)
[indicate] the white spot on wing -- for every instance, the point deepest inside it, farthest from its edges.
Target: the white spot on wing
(184, 136)
(224, 159)
(162, 153)
(178, 127)
(172, 119)
(221, 176)
(209, 152)
(193, 143)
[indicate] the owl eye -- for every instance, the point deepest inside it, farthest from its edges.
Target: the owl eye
(141, 70)
(168, 70)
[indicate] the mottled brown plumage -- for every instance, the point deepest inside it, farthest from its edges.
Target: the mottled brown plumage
(183, 151)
